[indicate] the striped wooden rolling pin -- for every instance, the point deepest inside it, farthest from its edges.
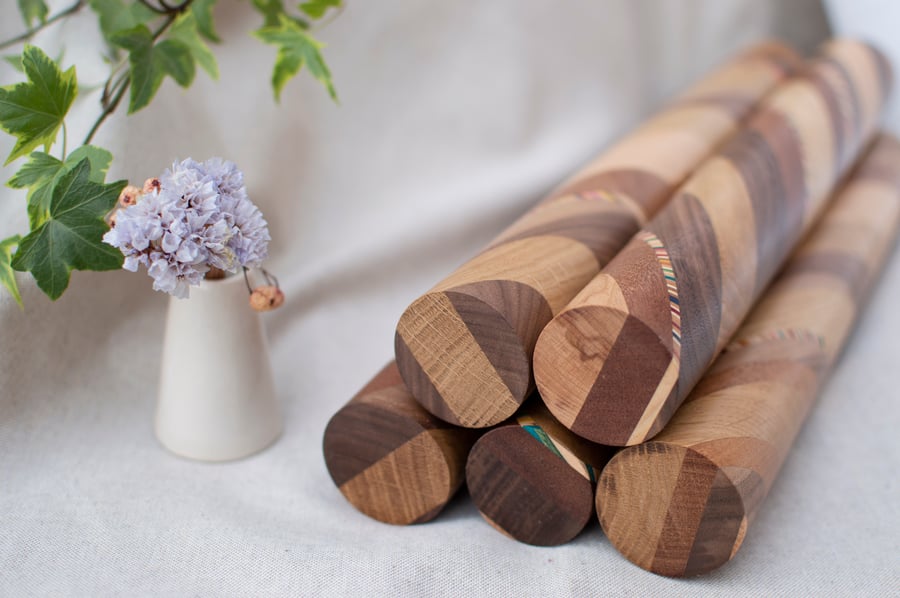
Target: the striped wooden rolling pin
(618, 360)
(680, 505)
(533, 479)
(465, 347)
(390, 458)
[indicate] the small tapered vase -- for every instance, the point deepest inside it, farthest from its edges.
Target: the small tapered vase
(216, 397)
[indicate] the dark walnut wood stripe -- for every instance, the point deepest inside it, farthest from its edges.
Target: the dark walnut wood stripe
(390, 458)
(681, 505)
(533, 480)
(715, 246)
(604, 232)
(465, 352)
(631, 182)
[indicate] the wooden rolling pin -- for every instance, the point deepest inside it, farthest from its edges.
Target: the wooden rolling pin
(464, 348)
(680, 505)
(533, 479)
(390, 458)
(618, 360)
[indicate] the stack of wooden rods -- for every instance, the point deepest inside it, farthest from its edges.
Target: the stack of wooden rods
(622, 356)
(465, 348)
(681, 504)
(567, 239)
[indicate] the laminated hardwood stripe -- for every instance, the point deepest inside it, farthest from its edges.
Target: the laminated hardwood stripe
(560, 245)
(641, 186)
(603, 232)
(726, 233)
(695, 259)
(640, 379)
(737, 426)
(718, 528)
(386, 477)
(457, 403)
(392, 459)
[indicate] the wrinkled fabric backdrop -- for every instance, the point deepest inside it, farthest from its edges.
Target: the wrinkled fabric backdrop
(454, 119)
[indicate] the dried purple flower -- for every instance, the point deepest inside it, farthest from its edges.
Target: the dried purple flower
(198, 216)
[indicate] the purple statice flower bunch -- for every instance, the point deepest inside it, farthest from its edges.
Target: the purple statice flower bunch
(195, 217)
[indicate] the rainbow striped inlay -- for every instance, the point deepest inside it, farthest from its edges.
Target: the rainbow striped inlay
(665, 262)
(781, 334)
(599, 194)
(538, 433)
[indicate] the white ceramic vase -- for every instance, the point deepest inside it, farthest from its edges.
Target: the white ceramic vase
(216, 397)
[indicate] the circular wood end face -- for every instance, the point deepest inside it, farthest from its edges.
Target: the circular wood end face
(604, 374)
(570, 355)
(462, 360)
(526, 491)
(387, 465)
(670, 510)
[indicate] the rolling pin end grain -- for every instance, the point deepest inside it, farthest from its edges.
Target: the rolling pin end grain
(462, 360)
(672, 511)
(388, 466)
(604, 374)
(525, 491)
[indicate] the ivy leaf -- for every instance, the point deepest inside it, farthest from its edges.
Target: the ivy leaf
(34, 110)
(6, 272)
(116, 16)
(316, 9)
(40, 167)
(146, 75)
(151, 63)
(271, 10)
(175, 59)
(42, 172)
(33, 10)
(71, 238)
(98, 158)
(295, 49)
(202, 12)
(186, 30)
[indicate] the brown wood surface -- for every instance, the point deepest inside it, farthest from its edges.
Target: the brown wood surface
(618, 360)
(533, 480)
(390, 458)
(465, 347)
(681, 504)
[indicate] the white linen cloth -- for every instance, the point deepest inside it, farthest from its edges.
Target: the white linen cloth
(454, 119)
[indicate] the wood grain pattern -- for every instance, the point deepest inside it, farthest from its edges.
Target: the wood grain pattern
(621, 357)
(533, 480)
(390, 458)
(465, 347)
(681, 504)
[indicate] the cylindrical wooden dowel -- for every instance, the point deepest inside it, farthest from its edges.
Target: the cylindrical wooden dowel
(465, 347)
(618, 360)
(533, 479)
(680, 504)
(390, 458)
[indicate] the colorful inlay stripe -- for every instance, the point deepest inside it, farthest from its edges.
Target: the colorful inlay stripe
(599, 194)
(538, 433)
(665, 262)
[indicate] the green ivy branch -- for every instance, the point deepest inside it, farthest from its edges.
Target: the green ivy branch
(148, 40)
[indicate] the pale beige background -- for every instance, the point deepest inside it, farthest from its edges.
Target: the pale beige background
(454, 118)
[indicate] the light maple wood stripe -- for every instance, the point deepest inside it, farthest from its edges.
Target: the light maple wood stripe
(390, 458)
(722, 238)
(533, 480)
(505, 295)
(732, 435)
